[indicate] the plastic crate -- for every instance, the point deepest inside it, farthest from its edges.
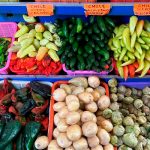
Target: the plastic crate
(52, 101)
(7, 30)
(86, 72)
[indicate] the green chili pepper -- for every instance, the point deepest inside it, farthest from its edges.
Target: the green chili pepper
(65, 29)
(126, 38)
(141, 65)
(79, 25)
(145, 47)
(132, 23)
(146, 40)
(130, 55)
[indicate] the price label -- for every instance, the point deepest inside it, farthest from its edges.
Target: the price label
(40, 10)
(142, 9)
(96, 9)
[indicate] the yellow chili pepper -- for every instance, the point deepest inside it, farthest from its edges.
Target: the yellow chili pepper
(132, 23)
(130, 55)
(140, 40)
(131, 61)
(120, 68)
(139, 27)
(126, 38)
(141, 66)
(144, 33)
(24, 29)
(146, 47)
(137, 55)
(133, 39)
(138, 48)
(146, 40)
(116, 43)
(124, 50)
(146, 68)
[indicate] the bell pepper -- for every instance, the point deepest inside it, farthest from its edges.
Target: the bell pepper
(126, 38)
(40, 109)
(37, 98)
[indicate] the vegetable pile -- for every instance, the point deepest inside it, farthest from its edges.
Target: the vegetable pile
(129, 113)
(78, 125)
(85, 44)
(12, 133)
(131, 44)
(26, 104)
(32, 66)
(37, 40)
(4, 44)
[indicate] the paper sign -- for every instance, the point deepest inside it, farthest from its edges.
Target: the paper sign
(142, 9)
(97, 9)
(40, 10)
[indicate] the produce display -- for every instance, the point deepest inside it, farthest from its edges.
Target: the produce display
(85, 44)
(131, 47)
(26, 104)
(32, 66)
(129, 113)
(4, 44)
(78, 124)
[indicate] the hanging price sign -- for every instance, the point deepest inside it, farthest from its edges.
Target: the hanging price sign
(35, 10)
(142, 9)
(96, 9)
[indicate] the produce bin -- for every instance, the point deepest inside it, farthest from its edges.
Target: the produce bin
(7, 30)
(51, 116)
(19, 84)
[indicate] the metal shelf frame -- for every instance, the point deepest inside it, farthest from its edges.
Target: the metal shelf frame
(13, 11)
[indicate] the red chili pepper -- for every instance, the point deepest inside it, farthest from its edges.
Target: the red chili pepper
(45, 124)
(13, 56)
(3, 109)
(136, 65)
(106, 67)
(125, 71)
(40, 109)
(53, 65)
(131, 70)
(13, 110)
(32, 69)
(46, 61)
(39, 118)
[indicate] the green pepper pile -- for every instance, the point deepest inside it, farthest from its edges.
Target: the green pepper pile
(4, 43)
(85, 43)
(12, 132)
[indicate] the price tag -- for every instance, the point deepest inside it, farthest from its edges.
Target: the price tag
(40, 10)
(96, 9)
(142, 9)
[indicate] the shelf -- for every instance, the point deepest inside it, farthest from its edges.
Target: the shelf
(120, 9)
(54, 78)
